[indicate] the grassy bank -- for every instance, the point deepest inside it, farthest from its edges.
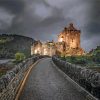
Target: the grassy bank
(91, 62)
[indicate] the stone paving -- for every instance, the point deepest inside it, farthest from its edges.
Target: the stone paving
(46, 83)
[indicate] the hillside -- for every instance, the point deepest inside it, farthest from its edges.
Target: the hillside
(94, 51)
(11, 44)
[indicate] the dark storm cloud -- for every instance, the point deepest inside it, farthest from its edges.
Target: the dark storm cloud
(91, 35)
(94, 22)
(45, 19)
(14, 6)
(9, 9)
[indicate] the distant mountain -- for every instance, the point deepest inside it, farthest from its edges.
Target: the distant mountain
(11, 44)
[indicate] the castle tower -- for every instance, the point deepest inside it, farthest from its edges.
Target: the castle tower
(71, 37)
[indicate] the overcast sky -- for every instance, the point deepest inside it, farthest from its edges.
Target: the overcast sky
(45, 19)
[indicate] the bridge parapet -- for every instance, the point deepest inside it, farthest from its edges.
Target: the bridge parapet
(87, 78)
(9, 83)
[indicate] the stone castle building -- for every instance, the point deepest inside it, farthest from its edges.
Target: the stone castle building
(70, 38)
(47, 48)
(68, 44)
(36, 48)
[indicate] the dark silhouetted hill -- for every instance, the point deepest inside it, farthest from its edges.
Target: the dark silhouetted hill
(11, 44)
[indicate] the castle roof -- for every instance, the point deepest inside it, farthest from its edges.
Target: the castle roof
(37, 42)
(71, 27)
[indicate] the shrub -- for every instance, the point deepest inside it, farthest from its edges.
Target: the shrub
(81, 61)
(71, 59)
(19, 57)
(2, 73)
(96, 56)
(77, 59)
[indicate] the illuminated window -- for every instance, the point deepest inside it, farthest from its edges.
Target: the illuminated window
(61, 39)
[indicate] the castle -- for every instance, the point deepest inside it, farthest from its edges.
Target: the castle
(68, 44)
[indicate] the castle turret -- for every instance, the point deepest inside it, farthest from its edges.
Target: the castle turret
(70, 36)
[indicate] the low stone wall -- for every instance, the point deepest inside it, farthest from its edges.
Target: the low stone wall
(87, 78)
(10, 82)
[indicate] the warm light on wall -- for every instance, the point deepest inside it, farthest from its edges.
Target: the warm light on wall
(38, 49)
(61, 39)
(73, 44)
(45, 52)
(35, 51)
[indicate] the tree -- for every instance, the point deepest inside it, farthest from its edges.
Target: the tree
(19, 57)
(96, 56)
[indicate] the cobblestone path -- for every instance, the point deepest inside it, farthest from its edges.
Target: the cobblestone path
(46, 83)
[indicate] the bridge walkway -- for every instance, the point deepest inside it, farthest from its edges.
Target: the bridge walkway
(46, 83)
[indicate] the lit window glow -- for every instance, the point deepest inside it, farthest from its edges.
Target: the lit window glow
(61, 39)
(35, 51)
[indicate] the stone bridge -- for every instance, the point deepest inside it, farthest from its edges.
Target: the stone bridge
(49, 79)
